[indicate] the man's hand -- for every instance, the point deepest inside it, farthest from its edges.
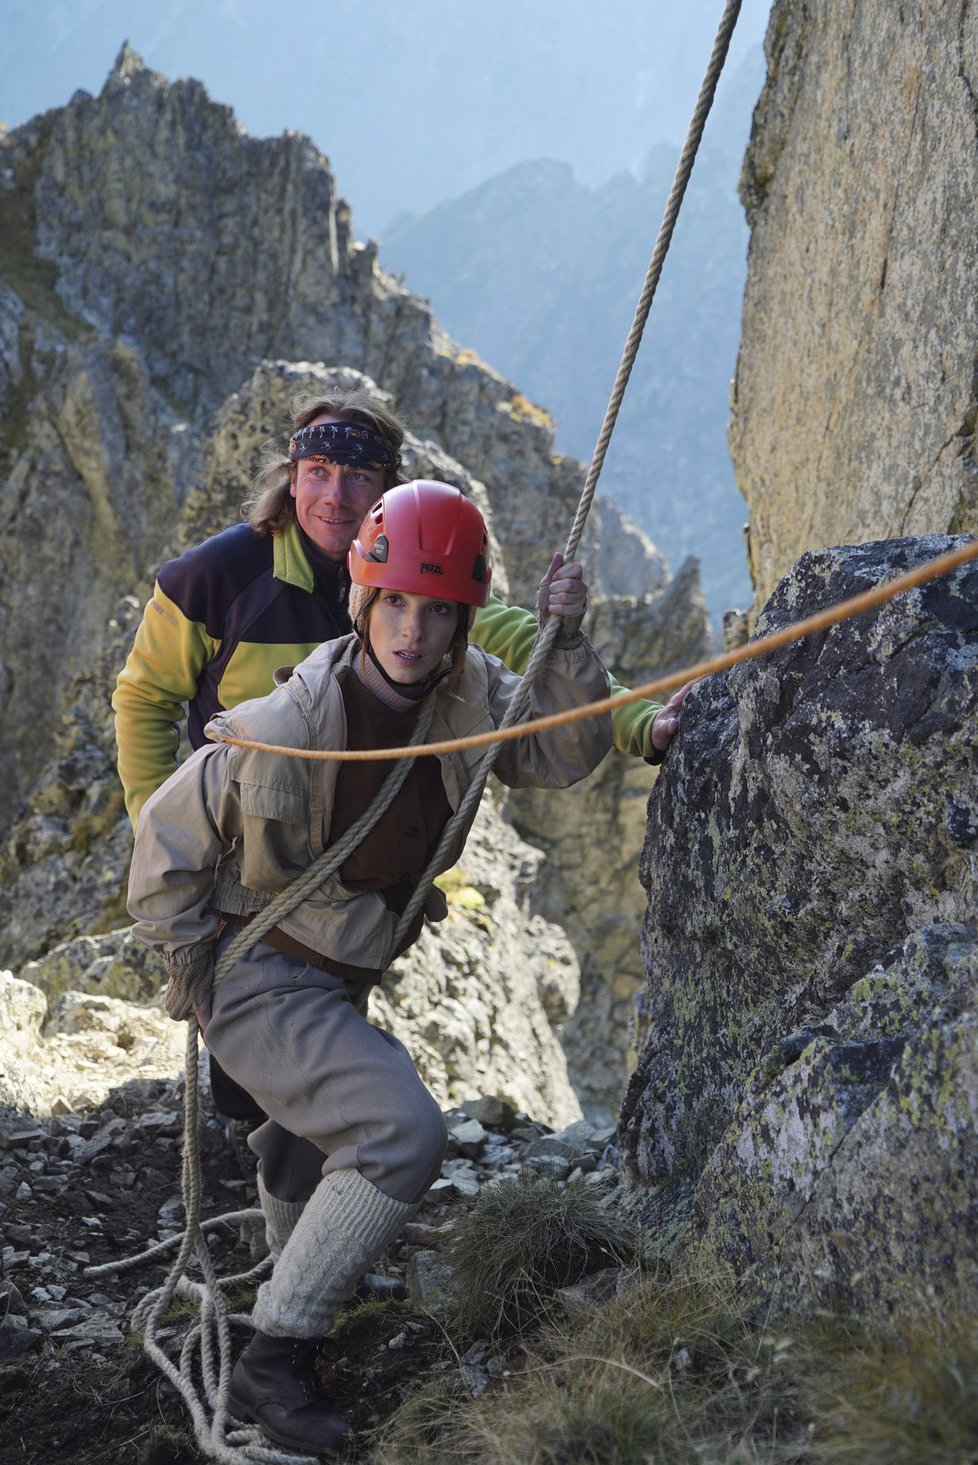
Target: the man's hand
(666, 724)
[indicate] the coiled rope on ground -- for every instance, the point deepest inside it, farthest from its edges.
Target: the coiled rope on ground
(211, 1429)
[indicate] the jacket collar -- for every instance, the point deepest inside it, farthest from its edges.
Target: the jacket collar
(289, 559)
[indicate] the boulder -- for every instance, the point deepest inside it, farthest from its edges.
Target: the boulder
(22, 1012)
(112, 965)
(809, 943)
(846, 1177)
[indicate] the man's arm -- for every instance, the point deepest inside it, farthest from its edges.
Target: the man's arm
(161, 674)
(508, 632)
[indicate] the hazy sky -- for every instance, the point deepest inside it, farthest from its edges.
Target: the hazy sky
(413, 101)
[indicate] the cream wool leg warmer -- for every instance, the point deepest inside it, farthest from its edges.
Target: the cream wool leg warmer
(280, 1218)
(344, 1227)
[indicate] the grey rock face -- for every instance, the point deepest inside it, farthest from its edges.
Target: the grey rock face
(91, 473)
(854, 400)
(590, 834)
(258, 227)
(818, 812)
(113, 965)
(847, 1175)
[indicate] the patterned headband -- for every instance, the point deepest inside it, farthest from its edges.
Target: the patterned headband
(350, 443)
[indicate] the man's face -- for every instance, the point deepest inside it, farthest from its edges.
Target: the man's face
(332, 498)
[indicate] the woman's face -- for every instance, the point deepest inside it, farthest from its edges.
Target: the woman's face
(410, 633)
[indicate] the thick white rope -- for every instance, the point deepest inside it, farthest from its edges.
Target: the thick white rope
(210, 1414)
(548, 631)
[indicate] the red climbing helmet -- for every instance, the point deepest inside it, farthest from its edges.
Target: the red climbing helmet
(425, 538)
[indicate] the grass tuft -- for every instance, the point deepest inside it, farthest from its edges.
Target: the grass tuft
(525, 1238)
(679, 1370)
(906, 1396)
(670, 1372)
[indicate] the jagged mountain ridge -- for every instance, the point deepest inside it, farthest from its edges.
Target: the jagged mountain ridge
(516, 81)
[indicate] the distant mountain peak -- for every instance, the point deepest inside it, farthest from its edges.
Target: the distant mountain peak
(127, 64)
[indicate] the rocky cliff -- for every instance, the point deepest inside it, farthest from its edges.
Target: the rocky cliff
(805, 1110)
(803, 1116)
(854, 401)
(166, 284)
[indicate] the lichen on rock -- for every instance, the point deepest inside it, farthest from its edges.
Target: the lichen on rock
(810, 943)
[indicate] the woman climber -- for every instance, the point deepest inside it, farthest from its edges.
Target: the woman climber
(233, 827)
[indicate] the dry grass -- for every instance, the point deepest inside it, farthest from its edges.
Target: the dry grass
(907, 1396)
(667, 1372)
(525, 1238)
(678, 1370)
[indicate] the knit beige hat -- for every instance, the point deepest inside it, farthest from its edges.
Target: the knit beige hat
(359, 599)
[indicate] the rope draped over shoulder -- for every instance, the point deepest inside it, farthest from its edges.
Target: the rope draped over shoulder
(331, 858)
(211, 1337)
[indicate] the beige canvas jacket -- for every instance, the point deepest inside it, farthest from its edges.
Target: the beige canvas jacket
(259, 819)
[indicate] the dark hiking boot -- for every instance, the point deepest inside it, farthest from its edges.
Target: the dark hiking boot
(273, 1385)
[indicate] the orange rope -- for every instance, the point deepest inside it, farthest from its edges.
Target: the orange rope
(844, 611)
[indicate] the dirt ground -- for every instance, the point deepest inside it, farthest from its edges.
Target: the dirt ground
(85, 1392)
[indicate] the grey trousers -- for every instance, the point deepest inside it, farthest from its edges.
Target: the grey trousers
(339, 1093)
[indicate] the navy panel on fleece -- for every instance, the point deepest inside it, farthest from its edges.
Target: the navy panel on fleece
(227, 585)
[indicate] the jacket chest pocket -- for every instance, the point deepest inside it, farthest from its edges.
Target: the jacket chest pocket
(277, 845)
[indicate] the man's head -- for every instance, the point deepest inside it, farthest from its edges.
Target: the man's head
(344, 451)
